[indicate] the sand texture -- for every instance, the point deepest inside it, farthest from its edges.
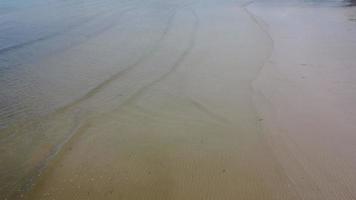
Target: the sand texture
(178, 99)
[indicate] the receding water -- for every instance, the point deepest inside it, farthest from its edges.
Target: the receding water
(132, 99)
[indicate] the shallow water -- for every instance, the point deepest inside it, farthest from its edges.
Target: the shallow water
(60, 73)
(133, 100)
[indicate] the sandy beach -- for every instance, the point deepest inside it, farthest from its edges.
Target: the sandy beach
(179, 99)
(307, 96)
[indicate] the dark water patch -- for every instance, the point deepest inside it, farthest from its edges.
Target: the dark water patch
(332, 3)
(316, 3)
(351, 3)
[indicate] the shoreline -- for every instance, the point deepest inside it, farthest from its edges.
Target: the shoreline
(190, 100)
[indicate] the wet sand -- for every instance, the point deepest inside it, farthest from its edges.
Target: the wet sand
(183, 100)
(306, 94)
